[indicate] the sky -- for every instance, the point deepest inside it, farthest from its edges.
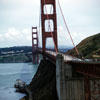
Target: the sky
(18, 16)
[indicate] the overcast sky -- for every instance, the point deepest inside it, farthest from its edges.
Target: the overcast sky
(18, 16)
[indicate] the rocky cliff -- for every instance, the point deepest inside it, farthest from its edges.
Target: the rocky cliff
(43, 85)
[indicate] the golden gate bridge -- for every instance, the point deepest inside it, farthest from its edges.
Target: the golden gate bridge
(90, 71)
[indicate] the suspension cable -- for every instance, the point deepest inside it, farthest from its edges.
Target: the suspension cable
(50, 28)
(68, 28)
(39, 24)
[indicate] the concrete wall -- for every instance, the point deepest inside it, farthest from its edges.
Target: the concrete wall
(74, 89)
(67, 87)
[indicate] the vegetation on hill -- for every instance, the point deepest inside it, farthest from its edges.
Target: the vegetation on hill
(16, 48)
(16, 54)
(88, 48)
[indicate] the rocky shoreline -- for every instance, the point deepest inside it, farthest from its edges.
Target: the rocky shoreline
(43, 85)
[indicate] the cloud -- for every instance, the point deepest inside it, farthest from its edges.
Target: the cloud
(64, 38)
(18, 13)
(82, 18)
(15, 37)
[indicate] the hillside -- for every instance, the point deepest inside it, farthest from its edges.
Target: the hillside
(21, 53)
(88, 48)
(16, 54)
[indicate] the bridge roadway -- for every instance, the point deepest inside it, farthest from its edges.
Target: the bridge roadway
(52, 54)
(86, 67)
(66, 57)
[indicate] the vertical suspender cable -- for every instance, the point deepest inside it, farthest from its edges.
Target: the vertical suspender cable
(68, 28)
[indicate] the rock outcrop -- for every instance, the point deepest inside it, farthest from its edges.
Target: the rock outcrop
(43, 85)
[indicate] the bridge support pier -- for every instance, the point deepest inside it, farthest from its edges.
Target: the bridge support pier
(60, 77)
(62, 71)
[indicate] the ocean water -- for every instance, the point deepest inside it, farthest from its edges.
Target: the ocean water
(9, 72)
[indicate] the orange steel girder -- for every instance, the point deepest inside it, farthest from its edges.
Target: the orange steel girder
(35, 45)
(44, 17)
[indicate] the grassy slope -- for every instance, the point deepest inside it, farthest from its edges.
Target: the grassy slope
(89, 47)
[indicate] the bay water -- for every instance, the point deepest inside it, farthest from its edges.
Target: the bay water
(9, 72)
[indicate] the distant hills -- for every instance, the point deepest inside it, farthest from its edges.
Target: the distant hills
(19, 54)
(16, 49)
(16, 54)
(88, 48)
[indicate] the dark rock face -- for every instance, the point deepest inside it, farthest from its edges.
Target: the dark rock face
(43, 85)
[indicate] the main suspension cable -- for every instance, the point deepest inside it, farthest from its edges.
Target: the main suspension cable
(68, 28)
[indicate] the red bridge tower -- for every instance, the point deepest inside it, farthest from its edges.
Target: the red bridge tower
(35, 45)
(48, 17)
